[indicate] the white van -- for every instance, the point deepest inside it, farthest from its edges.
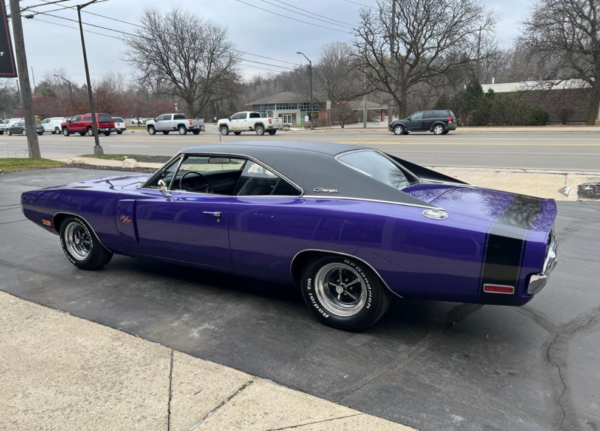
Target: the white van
(53, 124)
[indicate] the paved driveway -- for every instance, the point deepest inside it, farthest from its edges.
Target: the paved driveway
(431, 365)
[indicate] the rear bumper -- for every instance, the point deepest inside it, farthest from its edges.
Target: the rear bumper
(538, 281)
(451, 126)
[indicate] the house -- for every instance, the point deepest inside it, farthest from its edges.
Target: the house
(564, 100)
(294, 108)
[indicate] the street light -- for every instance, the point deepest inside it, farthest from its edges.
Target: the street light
(98, 151)
(312, 126)
(70, 91)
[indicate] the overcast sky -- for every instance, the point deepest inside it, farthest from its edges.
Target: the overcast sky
(50, 46)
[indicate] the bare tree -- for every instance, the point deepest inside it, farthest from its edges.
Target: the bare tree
(567, 34)
(339, 78)
(184, 56)
(406, 43)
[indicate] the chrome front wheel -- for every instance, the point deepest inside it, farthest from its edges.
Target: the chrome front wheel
(78, 240)
(340, 289)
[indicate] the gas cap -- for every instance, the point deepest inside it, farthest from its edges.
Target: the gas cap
(436, 214)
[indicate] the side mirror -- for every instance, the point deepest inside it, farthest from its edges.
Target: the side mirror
(229, 118)
(162, 186)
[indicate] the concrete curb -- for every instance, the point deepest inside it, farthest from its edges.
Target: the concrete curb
(63, 372)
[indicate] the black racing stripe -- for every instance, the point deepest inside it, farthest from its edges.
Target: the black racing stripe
(506, 246)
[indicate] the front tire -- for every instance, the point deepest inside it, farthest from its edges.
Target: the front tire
(224, 130)
(260, 130)
(151, 130)
(81, 246)
(237, 133)
(66, 132)
(9, 133)
(344, 293)
(398, 130)
(438, 129)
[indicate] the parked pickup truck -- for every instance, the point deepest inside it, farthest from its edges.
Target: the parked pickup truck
(82, 124)
(248, 122)
(174, 122)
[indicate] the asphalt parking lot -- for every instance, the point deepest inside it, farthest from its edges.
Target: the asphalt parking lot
(565, 150)
(430, 365)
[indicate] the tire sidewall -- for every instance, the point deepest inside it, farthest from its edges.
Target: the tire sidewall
(224, 130)
(260, 130)
(437, 127)
(365, 316)
(151, 130)
(398, 128)
(63, 227)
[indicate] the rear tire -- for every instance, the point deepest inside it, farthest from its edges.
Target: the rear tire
(151, 130)
(182, 130)
(24, 132)
(119, 132)
(90, 131)
(438, 129)
(260, 130)
(399, 130)
(343, 292)
(81, 246)
(272, 132)
(196, 132)
(165, 132)
(224, 130)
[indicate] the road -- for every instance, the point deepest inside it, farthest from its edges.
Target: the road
(431, 365)
(542, 150)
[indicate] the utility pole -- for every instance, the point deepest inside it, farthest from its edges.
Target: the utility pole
(392, 43)
(310, 71)
(70, 92)
(98, 151)
(33, 143)
(365, 107)
(478, 54)
(33, 78)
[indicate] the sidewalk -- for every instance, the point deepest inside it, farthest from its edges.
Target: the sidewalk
(533, 182)
(60, 372)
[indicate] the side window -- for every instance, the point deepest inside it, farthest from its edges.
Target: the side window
(166, 175)
(208, 174)
(162, 118)
(254, 115)
(76, 118)
(417, 116)
(179, 117)
(241, 116)
(87, 118)
(442, 114)
(259, 181)
(428, 115)
(46, 121)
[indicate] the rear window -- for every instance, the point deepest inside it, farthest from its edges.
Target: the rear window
(375, 165)
(118, 119)
(254, 115)
(179, 117)
(104, 117)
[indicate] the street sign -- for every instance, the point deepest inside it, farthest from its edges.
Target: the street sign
(8, 67)
(328, 104)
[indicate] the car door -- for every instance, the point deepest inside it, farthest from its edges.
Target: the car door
(238, 122)
(428, 120)
(163, 123)
(183, 225)
(76, 124)
(413, 123)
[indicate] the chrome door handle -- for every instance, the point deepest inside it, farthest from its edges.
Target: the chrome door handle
(216, 214)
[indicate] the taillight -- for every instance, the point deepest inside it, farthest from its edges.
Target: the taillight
(449, 119)
(190, 122)
(270, 121)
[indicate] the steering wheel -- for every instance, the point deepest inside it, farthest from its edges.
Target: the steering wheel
(205, 185)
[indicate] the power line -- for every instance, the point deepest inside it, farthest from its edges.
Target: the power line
(268, 58)
(92, 25)
(75, 28)
(89, 13)
(304, 10)
(303, 14)
(267, 64)
(360, 4)
(262, 68)
(293, 19)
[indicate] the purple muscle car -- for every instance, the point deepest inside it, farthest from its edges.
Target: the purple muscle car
(350, 225)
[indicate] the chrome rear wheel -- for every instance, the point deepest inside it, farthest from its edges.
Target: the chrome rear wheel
(340, 289)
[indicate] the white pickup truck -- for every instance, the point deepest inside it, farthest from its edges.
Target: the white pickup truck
(248, 122)
(174, 122)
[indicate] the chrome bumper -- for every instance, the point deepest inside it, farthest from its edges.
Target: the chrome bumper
(538, 281)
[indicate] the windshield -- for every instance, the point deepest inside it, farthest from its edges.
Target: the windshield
(375, 165)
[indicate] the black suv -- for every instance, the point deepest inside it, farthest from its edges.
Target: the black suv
(439, 122)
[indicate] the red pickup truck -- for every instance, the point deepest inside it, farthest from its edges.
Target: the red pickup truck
(82, 124)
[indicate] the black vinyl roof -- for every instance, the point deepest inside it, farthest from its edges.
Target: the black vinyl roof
(312, 165)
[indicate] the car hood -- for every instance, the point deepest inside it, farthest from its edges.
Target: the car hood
(125, 182)
(512, 214)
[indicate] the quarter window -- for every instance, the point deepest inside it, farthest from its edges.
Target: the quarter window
(375, 165)
(257, 180)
